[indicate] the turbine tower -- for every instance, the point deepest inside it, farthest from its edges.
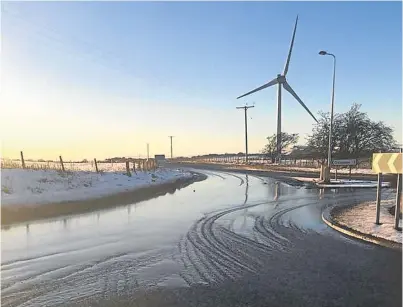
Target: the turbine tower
(282, 82)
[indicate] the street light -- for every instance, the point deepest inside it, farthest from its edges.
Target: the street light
(329, 154)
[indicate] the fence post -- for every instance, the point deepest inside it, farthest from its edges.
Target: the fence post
(378, 198)
(128, 169)
(22, 160)
(96, 165)
(61, 162)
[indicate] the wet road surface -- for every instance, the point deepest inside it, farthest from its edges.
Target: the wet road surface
(231, 240)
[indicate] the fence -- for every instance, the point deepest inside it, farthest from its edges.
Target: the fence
(364, 163)
(127, 166)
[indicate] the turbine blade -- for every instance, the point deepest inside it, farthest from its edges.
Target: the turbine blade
(272, 82)
(288, 88)
(289, 53)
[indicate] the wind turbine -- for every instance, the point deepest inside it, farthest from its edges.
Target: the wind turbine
(282, 81)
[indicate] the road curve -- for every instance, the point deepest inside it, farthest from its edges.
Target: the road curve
(232, 240)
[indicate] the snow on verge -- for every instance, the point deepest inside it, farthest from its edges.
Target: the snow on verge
(362, 219)
(28, 187)
(343, 183)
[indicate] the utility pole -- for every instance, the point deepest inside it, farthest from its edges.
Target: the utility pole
(245, 108)
(171, 136)
(148, 151)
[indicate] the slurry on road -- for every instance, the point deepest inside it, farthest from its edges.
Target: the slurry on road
(231, 240)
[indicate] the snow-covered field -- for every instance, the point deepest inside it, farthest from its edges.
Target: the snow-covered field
(362, 219)
(28, 187)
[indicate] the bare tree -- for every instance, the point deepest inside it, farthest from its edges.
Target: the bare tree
(287, 140)
(355, 135)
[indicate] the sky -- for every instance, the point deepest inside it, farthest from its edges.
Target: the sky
(102, 79)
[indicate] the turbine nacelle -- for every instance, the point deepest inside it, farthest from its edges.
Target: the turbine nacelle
(280, 79)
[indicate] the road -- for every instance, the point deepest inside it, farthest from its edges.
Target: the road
(231, 240)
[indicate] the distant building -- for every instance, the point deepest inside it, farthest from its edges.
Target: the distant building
(160, 158)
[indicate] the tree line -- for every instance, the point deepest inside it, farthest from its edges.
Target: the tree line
(354, 135)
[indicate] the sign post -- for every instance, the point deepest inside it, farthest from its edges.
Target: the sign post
(398, 198)
(389, 163)
(378, 198)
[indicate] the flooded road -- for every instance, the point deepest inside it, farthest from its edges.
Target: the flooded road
(230, 239)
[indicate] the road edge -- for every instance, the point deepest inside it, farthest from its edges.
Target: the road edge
(329, 221)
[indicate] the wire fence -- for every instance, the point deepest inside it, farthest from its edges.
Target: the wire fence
(122, 165)
(363, 163)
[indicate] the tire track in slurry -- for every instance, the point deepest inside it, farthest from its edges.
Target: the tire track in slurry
(244, 240)
(274, 225)
(270, 237)
(257, 177)
(213, 174)
(74, 271)
(210, 259)
(110, 277)
(202, 238)
(213, 249)
(220, 246)
(209, 231)
(240, 178)
(186, 261)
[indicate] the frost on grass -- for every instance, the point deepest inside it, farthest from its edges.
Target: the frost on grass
(28, 187)
(362, 219)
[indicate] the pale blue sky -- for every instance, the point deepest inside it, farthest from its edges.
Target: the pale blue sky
(94, 79)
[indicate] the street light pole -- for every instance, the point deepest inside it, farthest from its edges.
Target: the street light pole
(329, 153)
(245, 108)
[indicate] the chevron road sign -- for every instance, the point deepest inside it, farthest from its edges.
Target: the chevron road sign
(387, 163)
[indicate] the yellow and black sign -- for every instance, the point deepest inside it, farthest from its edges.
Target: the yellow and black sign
(387, 163)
